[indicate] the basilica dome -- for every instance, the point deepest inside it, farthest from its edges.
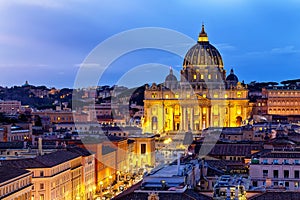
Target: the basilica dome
(171, 80)
(232, 77)
(171, 77)
(203, 53)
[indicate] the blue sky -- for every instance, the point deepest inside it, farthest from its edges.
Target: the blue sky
(44, 42)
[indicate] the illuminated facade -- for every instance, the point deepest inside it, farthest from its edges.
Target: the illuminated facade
(10, 107)
(283, 100)
(15, 184)
(204, 97)
(60, 175)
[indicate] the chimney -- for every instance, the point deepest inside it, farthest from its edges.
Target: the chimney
(40, 146)
(178, 164)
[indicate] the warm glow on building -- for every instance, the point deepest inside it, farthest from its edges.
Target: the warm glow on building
(217, 101)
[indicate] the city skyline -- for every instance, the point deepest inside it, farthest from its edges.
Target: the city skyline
(52, 38)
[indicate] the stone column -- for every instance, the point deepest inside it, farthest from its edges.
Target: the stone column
(182, 118)
(184, 113)
(192, 119)
(200, 118)
(208, 111)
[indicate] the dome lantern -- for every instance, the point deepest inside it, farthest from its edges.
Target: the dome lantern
(202, 35)
(203, 53)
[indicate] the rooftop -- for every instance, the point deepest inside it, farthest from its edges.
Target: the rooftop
(233, 149)
(276, 195)
(168, 195)
(13, 173)
(44, 161)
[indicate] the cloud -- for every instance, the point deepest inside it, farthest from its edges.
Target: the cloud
(225, 46)
(279, 50)
(285, 50)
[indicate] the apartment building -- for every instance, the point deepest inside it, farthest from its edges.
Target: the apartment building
(15, 183)
(273, 168)
(58, 175)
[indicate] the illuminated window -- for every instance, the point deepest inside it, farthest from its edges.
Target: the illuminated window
(204, 95)
(216, 110)
(216, 76)
(270, 110)
(176, 95)
(209, 76)
(188, 96)
(195, 76)
(238, 110)
(226, 96)
(154, 123)
(202, 76)
(153, 95)
(216, 95)
(239, 94)
(204, 110)
(167, 96)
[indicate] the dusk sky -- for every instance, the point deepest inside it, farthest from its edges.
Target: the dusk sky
(44, 41)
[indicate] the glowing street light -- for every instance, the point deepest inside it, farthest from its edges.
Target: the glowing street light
(101, 184)
(118, 176)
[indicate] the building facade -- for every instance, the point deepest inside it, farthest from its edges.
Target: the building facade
(15, 184)
(283, 100)
(204, 96)
(10, 107)
(276, 169)
(58, 175)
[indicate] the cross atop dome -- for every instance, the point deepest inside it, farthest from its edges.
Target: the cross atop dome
(202, 35)
(171, 70)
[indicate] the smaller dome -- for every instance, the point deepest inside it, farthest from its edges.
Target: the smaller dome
(171, 80)
(171, 77)
(232, 77)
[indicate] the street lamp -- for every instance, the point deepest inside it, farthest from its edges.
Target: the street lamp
(101, 184)
(118, 176)
(110, 182)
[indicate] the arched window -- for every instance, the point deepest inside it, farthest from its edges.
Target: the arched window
(154, 123)
(239, 121)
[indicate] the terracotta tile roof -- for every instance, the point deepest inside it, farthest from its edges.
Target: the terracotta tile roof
(80, 151)
(45, 161)
(8, 173)
(219, 167)
(281, 154)
(274, 195)
(187, 195)
(56, 158)
(233, 149)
